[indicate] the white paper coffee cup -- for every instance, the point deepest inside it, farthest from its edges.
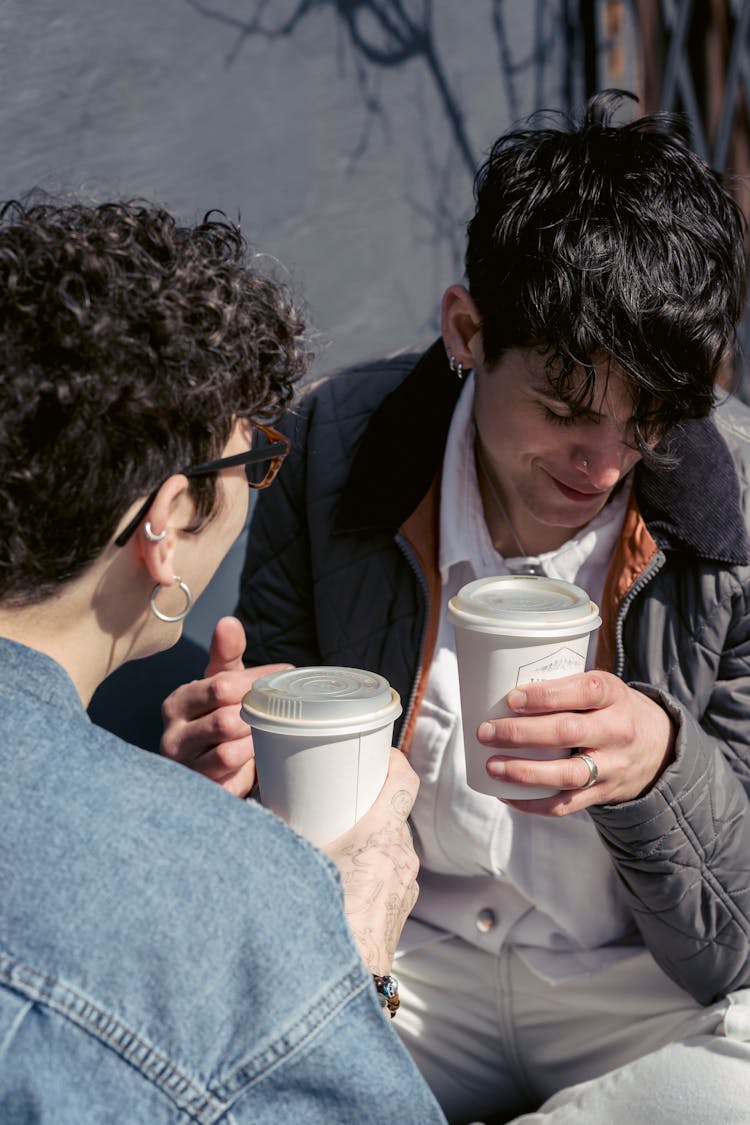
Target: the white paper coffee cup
(322, 739)
(512, 630)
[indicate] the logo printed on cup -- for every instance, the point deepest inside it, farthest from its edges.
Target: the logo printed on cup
(564, 662)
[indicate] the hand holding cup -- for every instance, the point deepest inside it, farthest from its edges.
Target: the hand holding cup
(629, 738)
(379, 867)
(512, 630)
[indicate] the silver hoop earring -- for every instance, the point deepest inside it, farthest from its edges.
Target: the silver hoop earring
(176, 581)
(456, 367)
(151, 534)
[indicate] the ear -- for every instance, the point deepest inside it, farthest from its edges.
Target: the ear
(461, 324)
(172, 510)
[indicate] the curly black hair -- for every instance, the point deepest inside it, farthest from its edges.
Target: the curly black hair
(603, 241)
(129, 343)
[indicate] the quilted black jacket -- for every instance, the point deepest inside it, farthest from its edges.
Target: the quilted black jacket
(330, 579)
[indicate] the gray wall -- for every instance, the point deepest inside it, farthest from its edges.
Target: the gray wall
(346, 145)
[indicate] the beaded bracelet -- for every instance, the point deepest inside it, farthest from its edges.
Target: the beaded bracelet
(387, 990)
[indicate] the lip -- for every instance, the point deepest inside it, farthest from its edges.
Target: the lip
(576, 494)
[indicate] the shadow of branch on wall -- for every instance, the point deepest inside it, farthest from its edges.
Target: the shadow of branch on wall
(383, 34)
(380, 36)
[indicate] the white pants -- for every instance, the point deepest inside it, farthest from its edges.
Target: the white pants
(621, 1047)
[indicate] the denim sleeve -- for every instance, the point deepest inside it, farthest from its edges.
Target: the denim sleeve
(352, 1068)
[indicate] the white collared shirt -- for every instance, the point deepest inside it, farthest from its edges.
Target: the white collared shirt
(490, 874)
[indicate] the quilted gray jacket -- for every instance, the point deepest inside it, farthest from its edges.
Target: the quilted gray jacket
(331, 578)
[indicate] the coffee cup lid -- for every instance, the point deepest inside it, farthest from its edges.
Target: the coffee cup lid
(523, 604)
(322, 696)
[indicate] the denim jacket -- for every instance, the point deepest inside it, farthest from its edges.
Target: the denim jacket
(168, 953)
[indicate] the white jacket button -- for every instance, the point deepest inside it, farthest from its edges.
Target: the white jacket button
(486, 920)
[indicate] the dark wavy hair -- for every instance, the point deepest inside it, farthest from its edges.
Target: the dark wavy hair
(601, 241)
(129, 343)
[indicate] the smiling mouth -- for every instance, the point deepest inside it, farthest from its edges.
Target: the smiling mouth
(576, 494)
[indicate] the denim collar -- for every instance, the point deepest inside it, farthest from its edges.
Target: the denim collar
(31, 672)
(693, 508)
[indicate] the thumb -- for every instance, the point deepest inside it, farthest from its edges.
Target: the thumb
(227, 647)
(400, 788)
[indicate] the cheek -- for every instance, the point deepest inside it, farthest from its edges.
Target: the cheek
(238, 511)
(234, 510)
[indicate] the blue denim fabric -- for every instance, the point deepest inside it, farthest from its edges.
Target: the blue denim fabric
(167, 952)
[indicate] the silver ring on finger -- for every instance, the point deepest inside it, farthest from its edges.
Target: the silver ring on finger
(592, 767)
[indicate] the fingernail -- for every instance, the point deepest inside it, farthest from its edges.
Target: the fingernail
(495, 768)
(486, 732)
(516, 699)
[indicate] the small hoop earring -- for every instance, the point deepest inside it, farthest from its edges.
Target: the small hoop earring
(585, 462)
(452, 364)
(151, 534)
(460, 371)
(176, 581)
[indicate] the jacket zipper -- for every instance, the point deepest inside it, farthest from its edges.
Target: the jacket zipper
(406, 550)
(657, 562)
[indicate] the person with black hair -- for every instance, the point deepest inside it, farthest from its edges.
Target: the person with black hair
(586, 955)
(167, 953)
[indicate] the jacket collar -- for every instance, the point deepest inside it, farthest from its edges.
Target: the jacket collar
(402, 447)
(694, 507)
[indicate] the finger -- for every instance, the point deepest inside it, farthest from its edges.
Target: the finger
(400, 788)
(557, 731)
(227, 646)
(564, 803)
(184, 741)
(583, 692)
(201, 697)
(239, 783)
(263, 670)
(224, 759)
(559, 773)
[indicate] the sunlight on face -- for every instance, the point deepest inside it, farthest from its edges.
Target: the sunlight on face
(554, 464)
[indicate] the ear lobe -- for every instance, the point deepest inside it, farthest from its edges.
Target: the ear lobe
(461, 326)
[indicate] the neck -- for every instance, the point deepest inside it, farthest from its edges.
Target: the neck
(90, 628)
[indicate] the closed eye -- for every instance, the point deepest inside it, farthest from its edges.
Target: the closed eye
(559, 419)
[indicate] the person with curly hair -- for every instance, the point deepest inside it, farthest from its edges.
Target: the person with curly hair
(167, 952)
(582, 956)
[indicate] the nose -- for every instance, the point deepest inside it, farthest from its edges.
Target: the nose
(603, 459)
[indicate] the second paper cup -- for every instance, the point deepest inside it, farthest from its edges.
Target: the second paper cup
(322, 739)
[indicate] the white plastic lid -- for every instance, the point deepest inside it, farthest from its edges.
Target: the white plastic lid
(523, 605)
(321, 697)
